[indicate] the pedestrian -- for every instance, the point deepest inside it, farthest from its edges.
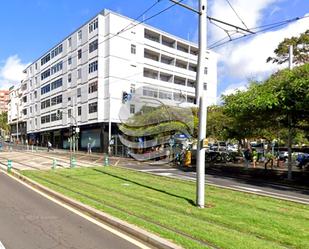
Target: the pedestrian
(89, 148)
(254, 157)
(49, 146)
(247, 157)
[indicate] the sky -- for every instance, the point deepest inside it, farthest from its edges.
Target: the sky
(29, 28)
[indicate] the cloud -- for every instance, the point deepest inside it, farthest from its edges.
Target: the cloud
(251, 12)
(11, 72)
(234, 88)
(248, 58)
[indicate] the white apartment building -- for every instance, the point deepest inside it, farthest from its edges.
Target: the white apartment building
(85, 76)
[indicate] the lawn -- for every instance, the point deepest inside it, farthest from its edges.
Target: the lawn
(165, 207)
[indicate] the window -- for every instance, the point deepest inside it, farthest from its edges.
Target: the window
(30, 82)
(93, 25)
(45, 59)
(45, 89)
(36, 121)
(30, 96)
(36, 80)
(79, 54)
(150, 73)
(79, 111)
(132, 88)
(69, 113)
(93, 46)
(132, 109)
(165, 95)
(56, 51)
(192, 67)
(55, 117)
(79, 35)
(79, 73)
(205, 70)
(25, 99)
(56, 84)
(150, 92)
(56, 68)
(45, 74)
(79, 92)
(93, 107)
(36, 66)
(25, 111)
(56, 100)
(133, 49)
(45, 104)
(93, 66)
(35, 94)
(24, 87)
(36, 107)
(45, 119)
(205, 86)
(70, 42)
(93, 87)
(30, 109)
(70, 60)
(69, 77)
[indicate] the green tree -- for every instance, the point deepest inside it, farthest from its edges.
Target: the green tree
(300, 50)
(280, 100)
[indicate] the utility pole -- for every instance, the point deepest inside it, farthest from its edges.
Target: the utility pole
(201, 102)
(290, 123)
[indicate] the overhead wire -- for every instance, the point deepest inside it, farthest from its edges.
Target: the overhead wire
(236, 14)
(264, 28)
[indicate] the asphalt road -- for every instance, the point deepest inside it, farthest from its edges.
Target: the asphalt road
(31, 221)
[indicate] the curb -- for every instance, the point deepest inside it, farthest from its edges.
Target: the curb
(145, 236)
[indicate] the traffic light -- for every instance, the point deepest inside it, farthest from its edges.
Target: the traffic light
(125, 97)
(72, 131)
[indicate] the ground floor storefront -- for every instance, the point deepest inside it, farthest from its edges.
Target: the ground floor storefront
(94, 136)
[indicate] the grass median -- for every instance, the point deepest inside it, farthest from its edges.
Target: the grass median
(165, 206)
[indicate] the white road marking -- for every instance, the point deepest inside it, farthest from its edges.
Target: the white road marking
(1, 246)
(286, 196)
(105, 227)
(246, 188)
(154, 170)
(164, 174)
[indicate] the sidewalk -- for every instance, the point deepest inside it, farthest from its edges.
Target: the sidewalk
(275, 175)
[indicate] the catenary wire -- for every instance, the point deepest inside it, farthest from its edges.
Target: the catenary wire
(236, 14)
(265, 28)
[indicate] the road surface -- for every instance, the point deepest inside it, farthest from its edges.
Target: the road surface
(30, 221)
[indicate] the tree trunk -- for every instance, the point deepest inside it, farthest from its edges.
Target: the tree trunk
(290, 148)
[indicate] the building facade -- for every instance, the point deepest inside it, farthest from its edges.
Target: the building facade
(4, 100)
(82, 80)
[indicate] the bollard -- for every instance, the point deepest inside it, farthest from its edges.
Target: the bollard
(106, 160)
(32, 148)
(37, 148)
(72, 162)
(9, 165)
(54, 164)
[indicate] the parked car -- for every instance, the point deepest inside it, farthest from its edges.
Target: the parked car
(283, 155)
